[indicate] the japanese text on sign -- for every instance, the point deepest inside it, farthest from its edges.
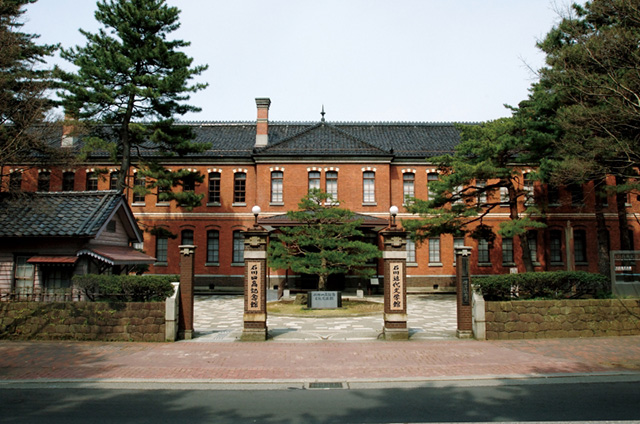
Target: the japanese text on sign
(254, 290)
(397, 287)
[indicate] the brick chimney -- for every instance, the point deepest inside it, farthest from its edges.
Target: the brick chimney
(262, 123)
(68, 131)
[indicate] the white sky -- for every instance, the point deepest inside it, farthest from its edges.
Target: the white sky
(365, 60)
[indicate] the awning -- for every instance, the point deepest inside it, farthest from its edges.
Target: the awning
(117, 255)
(52, 260)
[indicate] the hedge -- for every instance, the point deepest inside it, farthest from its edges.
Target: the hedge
(125, 288)
(543, 285)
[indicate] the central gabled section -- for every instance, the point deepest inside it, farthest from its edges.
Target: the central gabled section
(323, 139)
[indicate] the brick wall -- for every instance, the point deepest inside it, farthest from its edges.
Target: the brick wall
(83, 321)
(562, 318)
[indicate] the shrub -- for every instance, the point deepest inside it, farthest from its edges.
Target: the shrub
(543, 285)
(125, 288)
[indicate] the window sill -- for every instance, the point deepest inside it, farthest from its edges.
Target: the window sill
(214, 204)
(412, 264)
(557, 264)
(237, 264)
(484, 264)
(212, 264)
(276, 203)
(238, 204)
(160, 264)
(163, 204)
(138, 204)
(369, 204)
(508, 264)
(435, 264)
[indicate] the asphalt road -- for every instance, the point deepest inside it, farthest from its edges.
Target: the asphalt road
(498, 401)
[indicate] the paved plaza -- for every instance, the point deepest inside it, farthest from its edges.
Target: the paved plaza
(219, 318)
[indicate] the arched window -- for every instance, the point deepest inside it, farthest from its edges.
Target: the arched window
(276, 187)
(68, 181)
(214, 187)
(369, 187)
(238, 247)
(239, 187)
(92, 181)
(331, 184)
(314, 180)
(213, 246)
(187, 237)
(408, 185)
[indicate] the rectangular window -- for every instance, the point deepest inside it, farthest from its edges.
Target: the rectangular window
(164, 194)
(239, 187)
(504, 196)
(92, 181)
(431, 178)
(580, 245)
(332, 184)
(238, 247)
(528, 189)
(189, 182)
(314, 180)
(553, 195)
(369, 187)
(187, 237)
(15, 181)
(113, 180)
(213, 246)
(44, 180)
(23, 275)
(457, 242)
(411, 251)
(276, 187)
(555, 246)
(139, 188)
(214, 187)
(532, 239)
(483, 252)
(408, 185)
(56, 279)
(482, 194)
(68, 181)
(577, 195)
(507, 251)
(434, 251)
(161, 248)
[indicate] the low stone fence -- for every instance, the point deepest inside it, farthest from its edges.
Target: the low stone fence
(535, 319)
(104, 321)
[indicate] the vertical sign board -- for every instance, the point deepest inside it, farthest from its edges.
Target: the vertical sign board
(397, 298)
(625, 272)
(464, 275)
(255, 290)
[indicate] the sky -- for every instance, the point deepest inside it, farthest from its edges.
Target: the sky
(363, 60)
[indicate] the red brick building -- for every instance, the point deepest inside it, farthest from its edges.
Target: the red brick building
(367, 166)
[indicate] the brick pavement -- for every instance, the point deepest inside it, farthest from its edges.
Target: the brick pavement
(316, 361)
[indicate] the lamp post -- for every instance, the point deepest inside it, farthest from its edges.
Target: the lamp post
(393, 210)
(256, 211)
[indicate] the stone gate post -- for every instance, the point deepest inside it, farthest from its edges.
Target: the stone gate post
(463, 292)
(255, 285)
(185, 323)
(394, 256)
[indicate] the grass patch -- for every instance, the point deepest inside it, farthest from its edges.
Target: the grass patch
(349, 308)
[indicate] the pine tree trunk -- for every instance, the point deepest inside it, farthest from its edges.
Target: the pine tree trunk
(602, 232)
(623, 227)
(522, 239)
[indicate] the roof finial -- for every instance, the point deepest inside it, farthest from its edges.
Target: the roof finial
(322, 113)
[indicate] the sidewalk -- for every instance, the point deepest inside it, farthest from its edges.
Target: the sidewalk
(321, 361)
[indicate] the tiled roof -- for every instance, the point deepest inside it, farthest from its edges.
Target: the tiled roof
(60, 214)
(399, 139)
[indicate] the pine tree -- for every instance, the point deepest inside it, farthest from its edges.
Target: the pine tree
(133, 77)
(24, 136)
(325, 240)
(485, 162)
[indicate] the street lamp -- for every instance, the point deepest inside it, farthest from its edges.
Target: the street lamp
(393, 210)
(256, 211)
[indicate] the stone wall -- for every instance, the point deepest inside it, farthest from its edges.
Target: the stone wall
(535, 319)
(83, 321)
